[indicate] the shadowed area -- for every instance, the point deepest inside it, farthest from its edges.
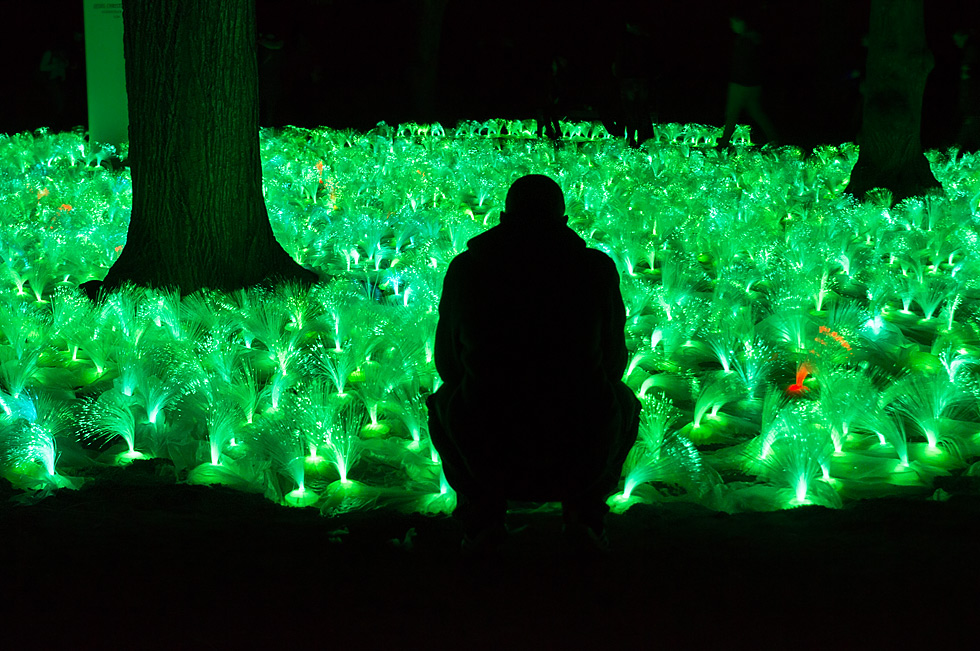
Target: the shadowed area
(132, 559)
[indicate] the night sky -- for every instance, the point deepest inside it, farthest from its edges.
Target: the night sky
(348, 64)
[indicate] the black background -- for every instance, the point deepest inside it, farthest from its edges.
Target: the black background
(347, 64)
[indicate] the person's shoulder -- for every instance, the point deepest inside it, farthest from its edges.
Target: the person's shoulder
(461, 263)
(599, 260)
(463, 257)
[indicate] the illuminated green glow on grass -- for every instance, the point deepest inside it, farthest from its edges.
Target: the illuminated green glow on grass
(301, 497)
(129, 456)
(738, 270)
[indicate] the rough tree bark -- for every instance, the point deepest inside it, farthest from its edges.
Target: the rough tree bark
(199, 218)
(899, 61)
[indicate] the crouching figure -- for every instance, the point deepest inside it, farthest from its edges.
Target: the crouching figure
(531, 349)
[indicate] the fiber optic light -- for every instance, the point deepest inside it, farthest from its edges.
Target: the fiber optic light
(735, 274)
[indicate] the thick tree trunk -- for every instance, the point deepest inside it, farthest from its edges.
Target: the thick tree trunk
(199, 218)
(899, 62)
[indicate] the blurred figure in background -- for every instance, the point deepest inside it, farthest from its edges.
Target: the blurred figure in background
(968, 137)
(633, 74)
(746, 79)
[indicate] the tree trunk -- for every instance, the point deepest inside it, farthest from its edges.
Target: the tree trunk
(899, 62)
(199, 218)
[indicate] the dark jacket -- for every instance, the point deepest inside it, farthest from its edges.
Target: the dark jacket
(531, 349)
(747, 67)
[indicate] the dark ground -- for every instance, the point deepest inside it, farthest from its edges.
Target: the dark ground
(133, 561)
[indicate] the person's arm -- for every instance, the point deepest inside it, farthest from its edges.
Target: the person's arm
(447, 338)
(615, 355)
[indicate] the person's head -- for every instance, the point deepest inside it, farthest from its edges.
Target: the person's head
(745, 18)
(534, 200)
(961, 37)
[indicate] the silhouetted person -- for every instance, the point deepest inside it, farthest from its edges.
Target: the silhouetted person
(53, 71)
(745, 80)
(552, 98)
(968, 137)
(270, 62)
(531, 350)
(632, 72)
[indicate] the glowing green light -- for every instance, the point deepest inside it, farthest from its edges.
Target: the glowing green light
(801, 489)
(752, 221)
(129, 456)
(301, 497)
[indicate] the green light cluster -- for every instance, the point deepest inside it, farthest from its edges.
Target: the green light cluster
(790, 344)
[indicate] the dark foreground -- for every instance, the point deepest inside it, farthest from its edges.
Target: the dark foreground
(132, 561)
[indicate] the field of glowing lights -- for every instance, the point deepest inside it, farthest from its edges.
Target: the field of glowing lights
(790, 344)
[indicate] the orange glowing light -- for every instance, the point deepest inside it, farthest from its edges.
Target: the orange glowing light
(798, 389)
(835, 336)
